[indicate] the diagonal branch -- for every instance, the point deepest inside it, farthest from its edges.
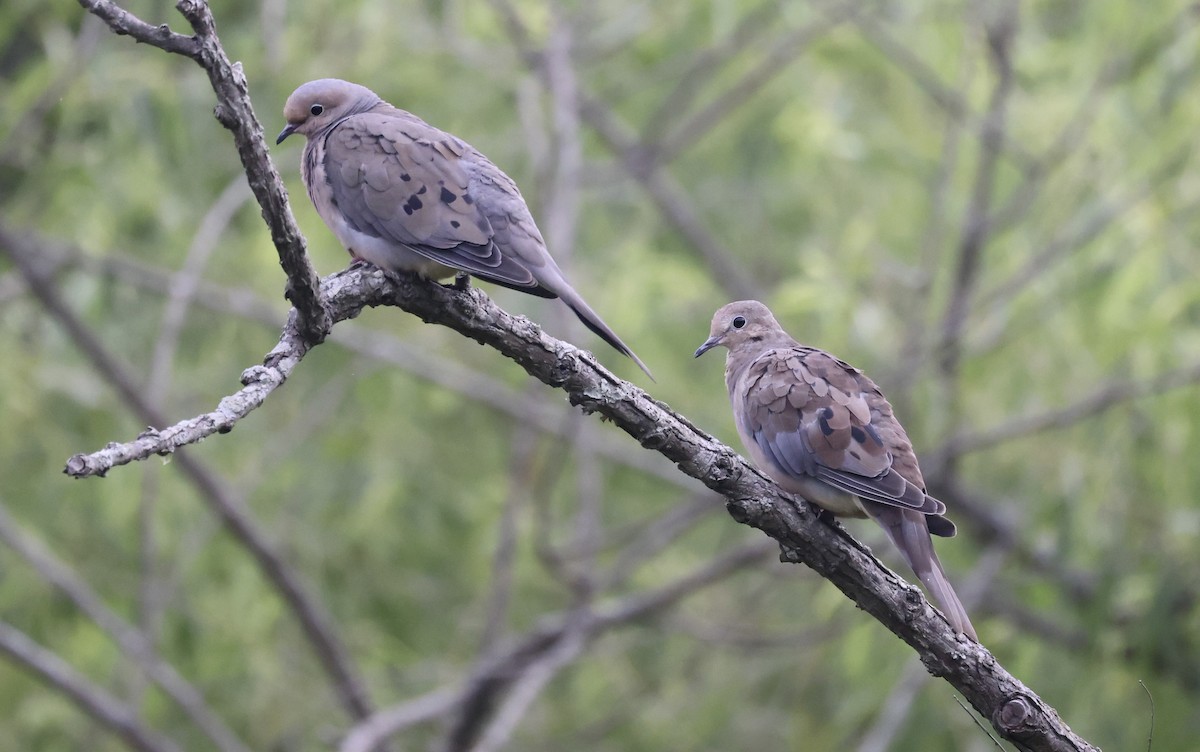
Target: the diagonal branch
(1018, 714)
(131, 641)
(94, 701)
(1100, 400)
(664, 191)
(786, 50)
(316, 625)
(976, 230)
(546, 416)
(235, 112)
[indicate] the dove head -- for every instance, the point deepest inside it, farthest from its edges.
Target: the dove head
(319, 104)
(744, 323)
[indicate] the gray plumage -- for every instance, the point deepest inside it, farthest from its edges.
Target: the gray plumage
(821, 429)
(405, 196)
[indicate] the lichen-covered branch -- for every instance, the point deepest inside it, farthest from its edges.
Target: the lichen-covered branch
(1016, 712)
(235, 112)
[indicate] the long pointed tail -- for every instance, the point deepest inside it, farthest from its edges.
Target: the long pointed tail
(909, 532)
(952, 607)
(592, 321)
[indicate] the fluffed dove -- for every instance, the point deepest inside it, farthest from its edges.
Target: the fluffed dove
(405, 196)
(821, 429)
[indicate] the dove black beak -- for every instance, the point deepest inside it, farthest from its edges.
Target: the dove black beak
(709, 344)
(289, 130)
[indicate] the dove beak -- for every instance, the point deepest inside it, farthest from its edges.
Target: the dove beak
(289, 130)
(709, 344)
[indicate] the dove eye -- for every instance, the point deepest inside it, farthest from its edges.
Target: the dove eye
(316, 109)
(739, 322)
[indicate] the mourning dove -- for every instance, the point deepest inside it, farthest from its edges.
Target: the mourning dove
(405, 196)
(821, 429)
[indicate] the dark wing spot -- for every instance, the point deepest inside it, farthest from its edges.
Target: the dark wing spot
(826, 413)
(423, 189)
(455, 224)
(406, 177)
(467, 198)
(447, 196)
(412, 204)
(858, 434)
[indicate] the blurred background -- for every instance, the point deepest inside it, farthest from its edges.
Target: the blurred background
(991, 207)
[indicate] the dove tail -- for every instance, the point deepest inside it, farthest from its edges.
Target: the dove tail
(909, 531)
(952, 607)
(593, 321)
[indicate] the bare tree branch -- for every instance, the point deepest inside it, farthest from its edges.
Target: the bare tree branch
(1096, 403)
(527, 407)
(666, 193)
(1017, 713)
(234, 111)
(1086, 228)
(132, 642)
(894, 713)
(374, 731)
(1072, 137)
(532, 681)
(314, 622)
(185, 285)
(96, 703)
(494, 676)
(927, 79)
(705, 63)
(502, 573)
(784, 51)
(1001, 32)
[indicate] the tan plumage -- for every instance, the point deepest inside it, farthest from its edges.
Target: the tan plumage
(405, 196)
(821, 429)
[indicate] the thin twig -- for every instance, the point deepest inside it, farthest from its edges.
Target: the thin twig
(495, 675)
(531, 683)
(534, 409)
(1001, 32)
(1099, 401)
(979, 725)
(1086, 227)
(751, 499)
(666, 193)
(521, 446)
(314, 622)
(132, 642)
(374, 731)
(1150, 734)
(185, 285)
(236, 113)
(702, 65)
(93, 701)
(640, 541)
(927, 79)
(783, 52)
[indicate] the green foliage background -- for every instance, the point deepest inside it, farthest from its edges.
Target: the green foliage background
(840, 186)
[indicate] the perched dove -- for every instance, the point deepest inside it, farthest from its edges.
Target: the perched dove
(821, 429)
(405, 196)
